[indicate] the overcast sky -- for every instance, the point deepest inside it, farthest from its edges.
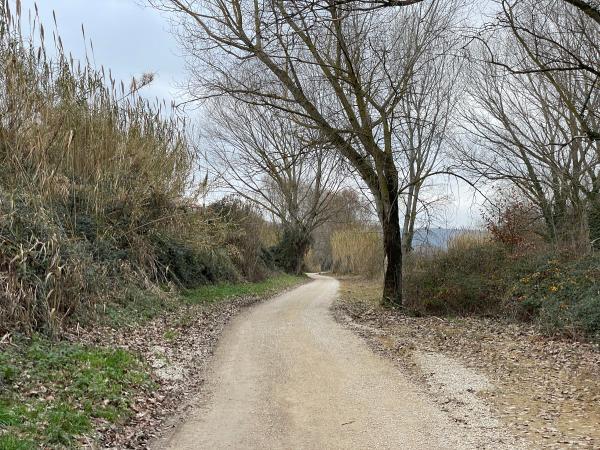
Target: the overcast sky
(128, 38)
(131, 39)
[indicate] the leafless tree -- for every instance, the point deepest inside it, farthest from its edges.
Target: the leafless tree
(429, 109)
(265, 158)
(337, 71)
(535, 111)
(553, 38)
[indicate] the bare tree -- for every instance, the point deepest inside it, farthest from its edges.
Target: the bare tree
(553, 38)
(339, 72)
(591, 8)
(267, 159)
(534, 116)
(429, 108)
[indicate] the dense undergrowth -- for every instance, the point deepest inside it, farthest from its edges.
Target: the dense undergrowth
(558, 291)
(98, 202)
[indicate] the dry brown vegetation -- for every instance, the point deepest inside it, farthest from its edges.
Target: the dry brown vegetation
(544, 390)
(97, 194)
(357, 249)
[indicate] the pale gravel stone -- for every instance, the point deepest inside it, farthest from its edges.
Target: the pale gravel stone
(458, 387)
(287, 376)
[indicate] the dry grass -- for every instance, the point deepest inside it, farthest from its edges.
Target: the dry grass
(91, 178)
(357, 250)
(468, 240)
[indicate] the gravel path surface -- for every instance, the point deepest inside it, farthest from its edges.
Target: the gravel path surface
(178, 346)
(287, 375)
(515, 385)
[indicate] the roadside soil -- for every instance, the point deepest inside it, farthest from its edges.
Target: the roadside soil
(286, 375)
(177, 346)
(543, 390)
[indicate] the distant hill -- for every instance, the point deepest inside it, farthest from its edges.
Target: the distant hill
(437, 237)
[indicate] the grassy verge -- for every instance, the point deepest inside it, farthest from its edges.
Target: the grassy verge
(57, 394)
(53, 393)
(138, 306)
(222, 291)
(360, 294)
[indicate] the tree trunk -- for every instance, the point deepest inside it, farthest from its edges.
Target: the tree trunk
(392, 245)
(408, 230)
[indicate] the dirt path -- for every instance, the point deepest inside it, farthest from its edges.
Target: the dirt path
(286, 375)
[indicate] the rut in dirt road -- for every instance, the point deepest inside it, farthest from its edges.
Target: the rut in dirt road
(287, 376)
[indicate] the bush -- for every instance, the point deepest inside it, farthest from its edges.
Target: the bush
(288, 254)
(513, 222)
(562, 296)
(468, 278)
(558, 292)
(244, 241)
(191, 268)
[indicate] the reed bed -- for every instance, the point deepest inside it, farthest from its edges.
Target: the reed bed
(357, 250)
(96, 185)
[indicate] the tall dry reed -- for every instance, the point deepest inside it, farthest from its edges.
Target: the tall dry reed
(94, 181)
(357, 250)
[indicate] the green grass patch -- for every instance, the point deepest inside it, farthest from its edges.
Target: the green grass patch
(224, 291)
(53, 392)
(138, 306)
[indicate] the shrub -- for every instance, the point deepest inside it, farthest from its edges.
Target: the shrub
(467, 278)
(244, 238)
(562, 296)
(513, 222)
(288, 254)
(193, 267)
(45, 275)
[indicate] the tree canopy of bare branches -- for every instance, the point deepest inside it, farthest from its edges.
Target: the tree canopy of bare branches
(264, 157)
(535, 103)
(337, 71)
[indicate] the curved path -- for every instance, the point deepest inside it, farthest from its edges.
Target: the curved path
(287, 376)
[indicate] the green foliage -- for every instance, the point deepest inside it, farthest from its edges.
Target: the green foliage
(11, 442)
(191, 267)
(288, 254)
(212, 293)
(561, 295)
(465, 279)
(136, 306)
(61, 389)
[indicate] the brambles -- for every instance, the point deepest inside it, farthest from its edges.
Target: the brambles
(561, 296)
